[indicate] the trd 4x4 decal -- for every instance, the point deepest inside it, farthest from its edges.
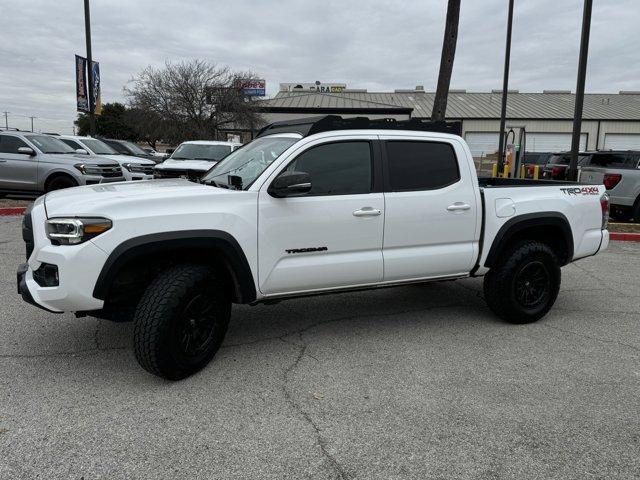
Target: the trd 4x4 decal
(580, 191)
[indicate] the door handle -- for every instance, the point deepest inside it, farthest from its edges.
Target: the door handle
(367, 212)
(2, 161)
(458, 206)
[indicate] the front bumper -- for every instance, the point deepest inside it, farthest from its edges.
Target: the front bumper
(78, 269)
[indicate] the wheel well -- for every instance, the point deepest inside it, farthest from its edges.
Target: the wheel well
(553, 230)
(53, 176)
(131, 266)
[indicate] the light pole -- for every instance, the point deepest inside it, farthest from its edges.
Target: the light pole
(6, 119)
(32, 122)
(505, 88)
(572, 174)
(87, 29)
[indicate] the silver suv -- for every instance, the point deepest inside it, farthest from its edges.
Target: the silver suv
(32, 163)
(619, 172)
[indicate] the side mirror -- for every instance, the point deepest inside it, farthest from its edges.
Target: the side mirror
(82, 151)
(26, 151)
(290, 184)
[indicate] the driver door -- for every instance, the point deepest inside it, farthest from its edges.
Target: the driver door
(18, 171)
(330, 237)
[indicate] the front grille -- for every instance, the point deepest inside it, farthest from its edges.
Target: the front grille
(27, 231)
(146, 169)
(110, 172)
(193, 175)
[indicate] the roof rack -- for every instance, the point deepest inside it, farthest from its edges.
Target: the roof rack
(311, 125)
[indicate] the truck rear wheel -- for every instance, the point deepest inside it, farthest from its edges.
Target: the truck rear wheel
(524, 284)
(180, 321)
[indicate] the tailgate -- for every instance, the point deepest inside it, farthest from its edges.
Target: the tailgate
(591, 175)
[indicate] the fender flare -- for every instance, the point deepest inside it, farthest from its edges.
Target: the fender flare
(530, 220)
(224, 243)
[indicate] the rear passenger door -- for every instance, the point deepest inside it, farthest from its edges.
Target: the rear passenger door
(431, 209)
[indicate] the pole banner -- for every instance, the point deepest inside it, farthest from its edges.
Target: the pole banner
(82, 98)
(97, 97)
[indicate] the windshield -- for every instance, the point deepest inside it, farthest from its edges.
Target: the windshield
(192, 151)
(98, 147)
(50, 144)
(135, 148)
(249, 161)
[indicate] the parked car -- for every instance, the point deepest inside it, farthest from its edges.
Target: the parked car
(32, 163)
(124, 147)
(307, 208)
(155, 153)
(558, 164)
(620, 174)
(533, 159)
(132, 168)
(194, 158)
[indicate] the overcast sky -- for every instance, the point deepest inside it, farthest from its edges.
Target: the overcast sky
(379, 45)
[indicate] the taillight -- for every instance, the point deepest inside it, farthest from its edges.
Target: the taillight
(604, 205)
(610, 180)
(555, 171)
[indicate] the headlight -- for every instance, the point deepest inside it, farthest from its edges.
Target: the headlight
(71, 231)
(88, 169)
(134, 167)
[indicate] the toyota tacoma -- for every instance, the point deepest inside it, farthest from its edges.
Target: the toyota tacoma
(310, 206)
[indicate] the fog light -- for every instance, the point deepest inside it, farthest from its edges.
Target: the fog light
(46, 275)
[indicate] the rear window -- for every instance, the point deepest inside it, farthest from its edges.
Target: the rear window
(611, 160)
(417, 165)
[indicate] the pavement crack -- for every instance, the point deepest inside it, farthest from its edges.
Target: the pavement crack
(590, 337)
(87, 353)
(338, 470)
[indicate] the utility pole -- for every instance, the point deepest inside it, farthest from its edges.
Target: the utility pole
(505, 88)
(446, 61)
(572, 173)
(32, 122)
(87, 29)
(6, 119)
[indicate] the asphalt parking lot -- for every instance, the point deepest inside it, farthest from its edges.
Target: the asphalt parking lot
(412, 382)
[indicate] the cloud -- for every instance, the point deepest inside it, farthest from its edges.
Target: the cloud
(380, 45)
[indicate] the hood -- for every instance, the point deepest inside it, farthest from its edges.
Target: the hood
(200, 165)
(113, 197)
(73, 158)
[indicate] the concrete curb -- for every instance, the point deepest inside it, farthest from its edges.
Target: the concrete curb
(11, 211)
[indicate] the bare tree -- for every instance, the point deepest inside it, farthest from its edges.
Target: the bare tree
(191, 99)
(446, 61)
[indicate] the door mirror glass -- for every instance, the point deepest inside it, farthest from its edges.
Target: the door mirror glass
(290, 184)
(26, 151)
(81, 151)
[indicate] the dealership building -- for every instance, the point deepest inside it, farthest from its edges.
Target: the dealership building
(611, 121)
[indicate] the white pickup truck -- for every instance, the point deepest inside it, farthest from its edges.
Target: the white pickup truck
(311, 206)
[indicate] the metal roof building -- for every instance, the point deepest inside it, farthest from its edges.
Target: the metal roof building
(610, 121)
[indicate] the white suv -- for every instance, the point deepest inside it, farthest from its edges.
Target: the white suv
(133, 168)
(194, 158)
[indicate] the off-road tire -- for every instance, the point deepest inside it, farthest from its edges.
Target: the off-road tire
(504, 281)
(160, 318)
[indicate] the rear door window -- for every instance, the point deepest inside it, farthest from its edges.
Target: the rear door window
(420, 165)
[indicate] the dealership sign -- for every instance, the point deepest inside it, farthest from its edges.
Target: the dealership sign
(254, 88)
(313, 87)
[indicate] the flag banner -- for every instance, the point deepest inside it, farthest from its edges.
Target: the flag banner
(97, 98)
(82, 98)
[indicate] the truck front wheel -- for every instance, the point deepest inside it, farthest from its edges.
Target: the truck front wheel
(524, 284)
(180, 321)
